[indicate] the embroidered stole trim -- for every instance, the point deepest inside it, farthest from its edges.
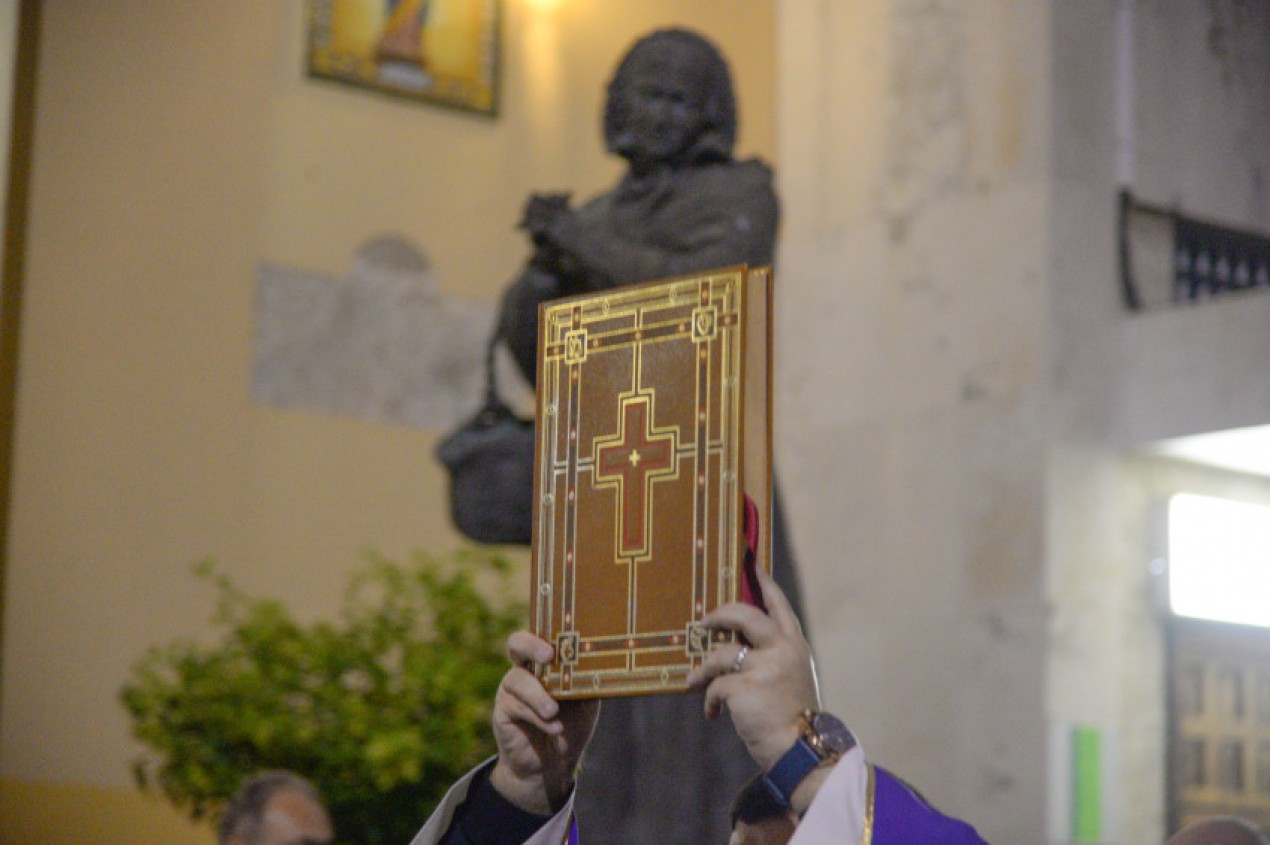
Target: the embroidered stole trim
(866, 835)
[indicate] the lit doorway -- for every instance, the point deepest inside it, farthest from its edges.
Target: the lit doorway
(1218, 634)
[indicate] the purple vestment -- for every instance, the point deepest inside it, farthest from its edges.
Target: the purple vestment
(902, 817)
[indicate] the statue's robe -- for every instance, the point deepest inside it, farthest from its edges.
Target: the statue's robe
(658, 771)
(859, 804)
(666, 223)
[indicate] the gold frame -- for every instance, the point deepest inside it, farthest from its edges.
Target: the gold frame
(444, 52)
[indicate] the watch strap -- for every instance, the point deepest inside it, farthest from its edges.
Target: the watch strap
(790, 770)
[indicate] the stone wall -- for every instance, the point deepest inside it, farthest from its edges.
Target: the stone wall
(962, 390)
(912, 355)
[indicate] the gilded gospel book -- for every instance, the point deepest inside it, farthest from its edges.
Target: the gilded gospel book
(653, 429)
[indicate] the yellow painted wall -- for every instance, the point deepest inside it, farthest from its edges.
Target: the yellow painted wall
(178, 146)
(92, 815)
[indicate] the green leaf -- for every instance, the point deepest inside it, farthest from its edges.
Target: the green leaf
(381, 708)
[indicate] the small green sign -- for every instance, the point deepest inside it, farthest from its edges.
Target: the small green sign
(1086, 784)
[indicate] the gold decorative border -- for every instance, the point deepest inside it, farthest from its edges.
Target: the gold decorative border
(713, 320)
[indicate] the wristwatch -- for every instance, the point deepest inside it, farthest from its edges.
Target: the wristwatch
(824, 738)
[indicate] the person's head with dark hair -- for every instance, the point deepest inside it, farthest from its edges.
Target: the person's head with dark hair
(670, 102)
(275, 808)
(1221, 830)
(756, 817)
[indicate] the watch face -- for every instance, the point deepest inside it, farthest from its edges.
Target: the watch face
(834, 736)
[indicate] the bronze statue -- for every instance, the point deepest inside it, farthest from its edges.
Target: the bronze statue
(684, 204)
(657, 770)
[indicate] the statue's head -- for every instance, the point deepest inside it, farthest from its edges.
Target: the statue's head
(671, 100)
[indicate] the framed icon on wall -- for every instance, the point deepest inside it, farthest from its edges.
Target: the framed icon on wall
(443, 52)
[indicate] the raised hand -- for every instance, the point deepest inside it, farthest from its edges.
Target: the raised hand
(765, 685)
(540, 740)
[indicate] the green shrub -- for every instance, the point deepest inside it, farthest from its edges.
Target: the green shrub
(382, 711)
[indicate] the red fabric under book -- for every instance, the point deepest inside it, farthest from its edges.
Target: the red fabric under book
(751, 590)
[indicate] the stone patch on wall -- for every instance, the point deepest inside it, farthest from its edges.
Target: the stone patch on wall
(380, 343)
(928, 120)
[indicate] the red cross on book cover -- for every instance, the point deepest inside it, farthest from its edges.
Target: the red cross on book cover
(653, 426)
